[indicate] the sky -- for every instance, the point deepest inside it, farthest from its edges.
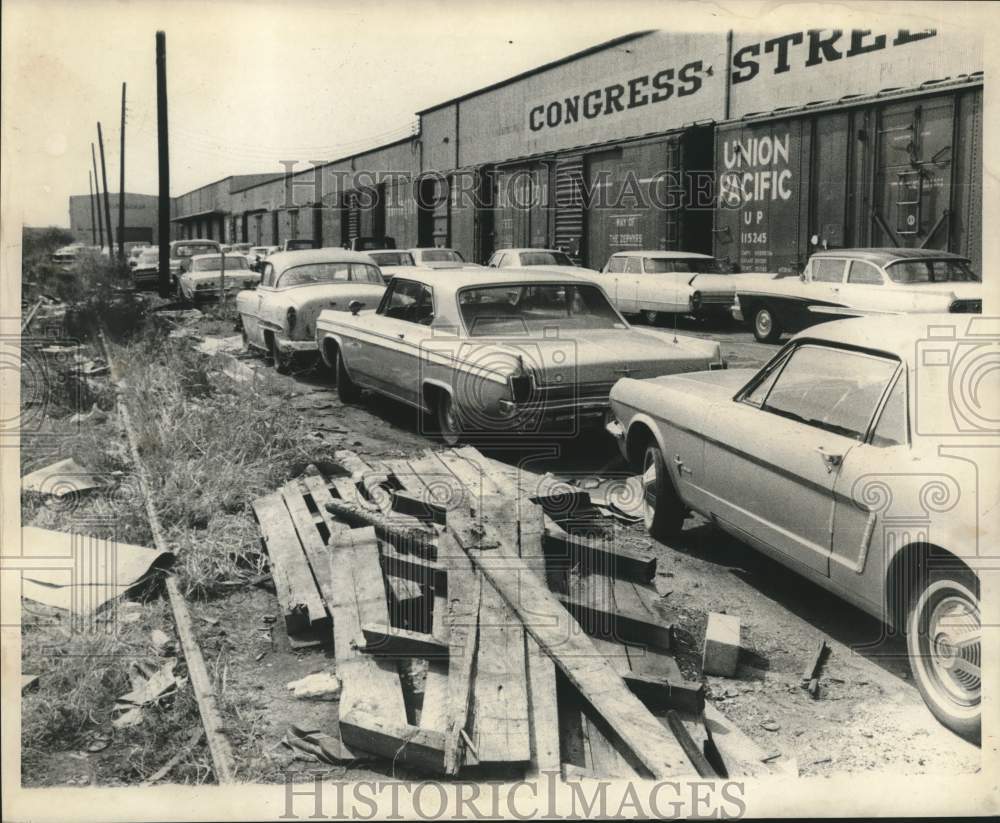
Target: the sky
(255, 82)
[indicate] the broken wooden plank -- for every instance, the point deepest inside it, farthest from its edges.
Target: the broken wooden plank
(320, 493)
(653, 677)
(400, 743)
(543, 716)
(434, 709)
(594, 603)
(386, 641)
(691, 749)
(359, 599)
(561, 638)
(403, 531)
(599, 552)
(810, 677)
(316, 552)
(293, 581)
(370, 475)
(500, 726)
(464, 593)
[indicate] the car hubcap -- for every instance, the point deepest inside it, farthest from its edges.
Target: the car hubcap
(649, 489)
(763, 323)
(953, 638)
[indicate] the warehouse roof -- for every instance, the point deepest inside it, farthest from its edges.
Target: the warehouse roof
(569, 58)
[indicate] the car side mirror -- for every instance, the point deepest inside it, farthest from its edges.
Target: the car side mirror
(355, 306)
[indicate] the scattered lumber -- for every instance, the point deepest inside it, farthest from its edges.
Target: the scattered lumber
(407, 603)
(415, 568)
(294, 584)
(398, 742)
(386, 641)
(433, 709)
(810, 677)
(616, 610)
(722, 645)
(399, 529)
(691, 749)
(599, 552)
(371, 476)
(571, 650)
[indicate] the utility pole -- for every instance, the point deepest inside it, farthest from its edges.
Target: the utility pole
(97, 197)
(107, 201)
(163, 150)
(121, 187)
(93, 214)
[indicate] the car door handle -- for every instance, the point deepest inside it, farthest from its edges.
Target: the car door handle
(681, 468)
(830, 460)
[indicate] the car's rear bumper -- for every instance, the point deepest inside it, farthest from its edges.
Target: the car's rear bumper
(296, 347)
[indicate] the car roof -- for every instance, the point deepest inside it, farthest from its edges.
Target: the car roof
(455, 279)
(899, 336)
(216, 255)
(661, 254)
(885, 255)
(518, 251)
(420, 248)
(331, 254)
(192, 240)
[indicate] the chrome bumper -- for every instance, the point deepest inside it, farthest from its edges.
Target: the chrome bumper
(286, 346)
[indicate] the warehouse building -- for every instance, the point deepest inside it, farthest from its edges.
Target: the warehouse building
(140, 218)
(759, 149)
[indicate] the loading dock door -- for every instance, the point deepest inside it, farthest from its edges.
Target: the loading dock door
(401, 212)
(628, 196)
(523, 206)
(913, 174)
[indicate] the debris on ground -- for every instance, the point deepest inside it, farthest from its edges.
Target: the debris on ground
(163, 645)
(29, 682)
(722, 645)
(478, 577)
(66, 477)
(213, 344)
(93, 572)
(810, 677)
(317, 686)
(149, 685)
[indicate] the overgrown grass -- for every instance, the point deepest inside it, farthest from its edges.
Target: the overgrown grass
(211, 446)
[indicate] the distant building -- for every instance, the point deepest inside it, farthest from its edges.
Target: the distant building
(140, 218)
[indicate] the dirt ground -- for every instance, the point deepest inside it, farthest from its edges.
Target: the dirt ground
(868, 717)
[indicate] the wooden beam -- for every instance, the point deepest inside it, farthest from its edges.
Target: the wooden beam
(593, 602)
(399, 743)
(370, 475)
(603, 554)
(560, 637)
(359, 598)
(691, 749)
(404, 532)
(293, 581)
(464, 593)
(434, 709)
(414, 568)
(406, 603)
(386, 641)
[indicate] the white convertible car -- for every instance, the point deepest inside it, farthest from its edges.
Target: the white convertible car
(850, 458)
(279, 316)
(503, 353)
(652, 283)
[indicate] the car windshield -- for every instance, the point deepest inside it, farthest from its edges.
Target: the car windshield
(149, 257)
(299, 244)
(214, 263)
(258, 250)
(191, 250)
(535, 307)
(392, 258)
(932, 271)
(441, 256)
(311, 273)
(692, 265)
(545, 258)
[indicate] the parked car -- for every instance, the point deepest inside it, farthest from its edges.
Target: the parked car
(258, 254)
(66, 257)
(200, 281)
(236, 248)
(831, 459)
(372, 243)
(146, 272)
(858, 282)
(181, 252)
(133, 255)
(279, 316)
(502, 352)
(651, 283)
(391, 261)
(549, 259)
(298, 245)
(440, 258)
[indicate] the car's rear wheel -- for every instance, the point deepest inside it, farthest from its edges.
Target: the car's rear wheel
(347, 390)
(765, 326)
(943, 638)
(282, 362)
(650, 316)
(449, 423)
(662, 510)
